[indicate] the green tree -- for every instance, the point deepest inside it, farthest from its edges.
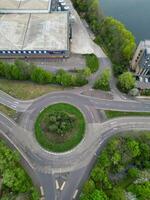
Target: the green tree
(119, 42)
(126, 82)
(142, 190)
(41, 76)
(89, 187)
(118, 193)
(2, 69)
(104, 82)
(133, 172)
(16, 180)
(92, 62)
(86, 72)
(134, 147)
(98, 195)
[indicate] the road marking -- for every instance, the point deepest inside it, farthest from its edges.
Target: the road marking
(42, 190)
(57, 185)
(63, 185)
(75, 194)
(13, 106)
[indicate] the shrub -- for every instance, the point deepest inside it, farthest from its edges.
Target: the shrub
(92, 62)
(59, 122)
(145, 92)
(118, 69)
(133, 172)
(104, 82)
(24, 71)
(89, 186)
(41, 76)
(80, 79)
(2, 69)
(126, 82)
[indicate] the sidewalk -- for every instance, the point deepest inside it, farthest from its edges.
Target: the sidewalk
(81, 41)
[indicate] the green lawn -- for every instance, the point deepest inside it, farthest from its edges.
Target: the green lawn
(26, 90)
(7, 111)
(113, 114)
(59, 143)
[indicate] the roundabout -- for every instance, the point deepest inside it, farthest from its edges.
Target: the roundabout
(77, 162)
(60, 127)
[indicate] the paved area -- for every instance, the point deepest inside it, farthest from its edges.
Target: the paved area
(75, 61)
(82, 42)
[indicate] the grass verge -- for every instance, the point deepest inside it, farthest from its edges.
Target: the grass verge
(60, 143)
(7, 111)
(26, 90)
(113, 114)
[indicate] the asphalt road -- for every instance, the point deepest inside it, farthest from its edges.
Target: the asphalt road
(77, 162)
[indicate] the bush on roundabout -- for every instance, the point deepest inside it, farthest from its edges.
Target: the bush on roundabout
(59, 127)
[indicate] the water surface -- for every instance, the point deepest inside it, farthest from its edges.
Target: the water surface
(135, 14)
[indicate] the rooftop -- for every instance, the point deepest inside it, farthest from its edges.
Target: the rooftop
(34, 31)
(28, 5)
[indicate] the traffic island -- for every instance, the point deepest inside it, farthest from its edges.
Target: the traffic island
(60, 127)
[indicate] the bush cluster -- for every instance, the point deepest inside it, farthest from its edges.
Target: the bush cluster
(103, 83)
(27, 71)
(145, 92)
(59, 122)
(126, 82)
(92, 62)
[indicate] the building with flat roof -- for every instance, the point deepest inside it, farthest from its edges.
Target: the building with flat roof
(34, 35)
(26, 6)
(141, 61)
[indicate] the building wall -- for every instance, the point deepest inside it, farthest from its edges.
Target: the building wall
(137, 56)
(32, 54)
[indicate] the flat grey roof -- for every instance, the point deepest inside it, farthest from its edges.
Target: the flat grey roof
(34, 31)
(24, 4)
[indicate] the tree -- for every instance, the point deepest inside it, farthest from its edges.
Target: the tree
(39, 75)
(2, 69)
(116, 158)
(134, 148)
(80, 79)
(92, 62)
(119, 69)
(86, 72)
(16, 180)
(142, 190)
(98, 195)
(89, 187)
(104, 82)
(118, 193)
(119, 42)
(126, 82)
(133, 172)
(64, 78)
(104, 159)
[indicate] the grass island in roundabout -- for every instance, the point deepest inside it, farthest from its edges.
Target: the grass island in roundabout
(60, 127)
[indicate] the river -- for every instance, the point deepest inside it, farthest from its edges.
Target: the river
(135, 14)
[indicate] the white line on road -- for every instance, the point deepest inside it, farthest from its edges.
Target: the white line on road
(57, 185)
(63, 185)
(42, 190)
(75, 194)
